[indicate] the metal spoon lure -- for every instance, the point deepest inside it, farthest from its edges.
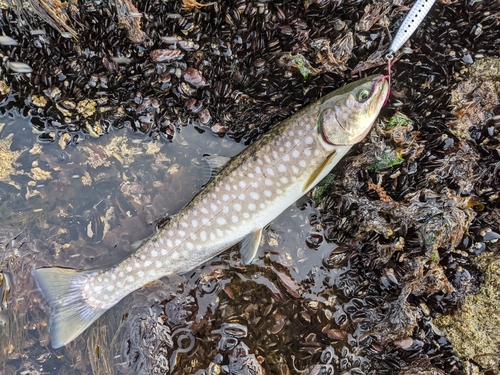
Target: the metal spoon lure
(411, 22)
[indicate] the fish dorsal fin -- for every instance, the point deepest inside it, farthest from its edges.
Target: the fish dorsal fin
(214, 164)
(314, 177)
(249, 246)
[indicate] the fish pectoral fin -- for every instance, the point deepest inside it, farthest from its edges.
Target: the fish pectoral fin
(249, 246)
(314, 177)
(71, 313)
(213, 165)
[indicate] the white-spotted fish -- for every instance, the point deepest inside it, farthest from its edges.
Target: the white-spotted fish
(246, 193)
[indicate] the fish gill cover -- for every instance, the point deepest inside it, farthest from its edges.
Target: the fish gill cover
(410, 212)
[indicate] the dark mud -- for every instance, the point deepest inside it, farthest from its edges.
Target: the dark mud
(349, 287)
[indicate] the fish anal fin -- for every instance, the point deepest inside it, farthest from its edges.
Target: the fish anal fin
(314, 178)
(249, 246)
(213, 165)
(71, 314)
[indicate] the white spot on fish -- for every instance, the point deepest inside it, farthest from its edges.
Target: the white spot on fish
(219, 232)
(267, 159)
(296, 141)
(163, 252)
(147, 263)
(119, 284)
(194, 223)
(169, 243)
(255, 185)
(258, 170)
(137, 265)
(300, 133)
(295, 169)
(279, 191)
(241, 197)
(270, 172)
(170, 233)
(106, 296)
(225, 210)
(307, 152)
(177, 242)
(275, 155)
(268, 182)
(290, 133)
(130, 279)
(175, 255)
(142, 257)
(121, 274)
(203, 236)
(234, 219)
(140, 273)
(281, 149)
(251, 206)
(152, 272)
(316, 152)
(154, 253)
(181, 233)
(204, 210)
(254, 195)
(262, 205)
(246, 215)
(129, 269)
(242, 184)
(288, 144)
(189, 246)
(284, 180)
(309, 141)
(286, 158)
(212, 236)
(184, 224)
(237, 206)
(221, 221)
(113, 276)
(281, 168)
(204, 221)
(158, 264)
(295, 153)
(225, 197)
(193, 236)
(302, 163)
(213, 207)
(185, 254)
(251, 175)
(228, 187)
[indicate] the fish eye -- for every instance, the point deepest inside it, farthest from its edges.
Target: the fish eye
(363, 95)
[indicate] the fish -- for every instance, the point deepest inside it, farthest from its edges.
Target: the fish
(245, 194)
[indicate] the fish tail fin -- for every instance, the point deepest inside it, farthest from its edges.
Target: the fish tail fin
(71, 314)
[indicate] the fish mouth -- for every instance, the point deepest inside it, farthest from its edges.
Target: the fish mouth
(386, 80)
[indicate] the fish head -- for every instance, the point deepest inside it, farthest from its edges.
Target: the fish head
(348, 114)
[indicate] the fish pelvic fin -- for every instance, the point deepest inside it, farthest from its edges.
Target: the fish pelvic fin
(249, 246)
(71, 314)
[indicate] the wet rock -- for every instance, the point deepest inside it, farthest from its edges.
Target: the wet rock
(473, 328)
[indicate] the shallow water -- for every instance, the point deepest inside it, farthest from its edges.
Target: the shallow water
(89, 205)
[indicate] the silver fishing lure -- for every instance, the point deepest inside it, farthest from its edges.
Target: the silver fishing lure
(411, 22)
